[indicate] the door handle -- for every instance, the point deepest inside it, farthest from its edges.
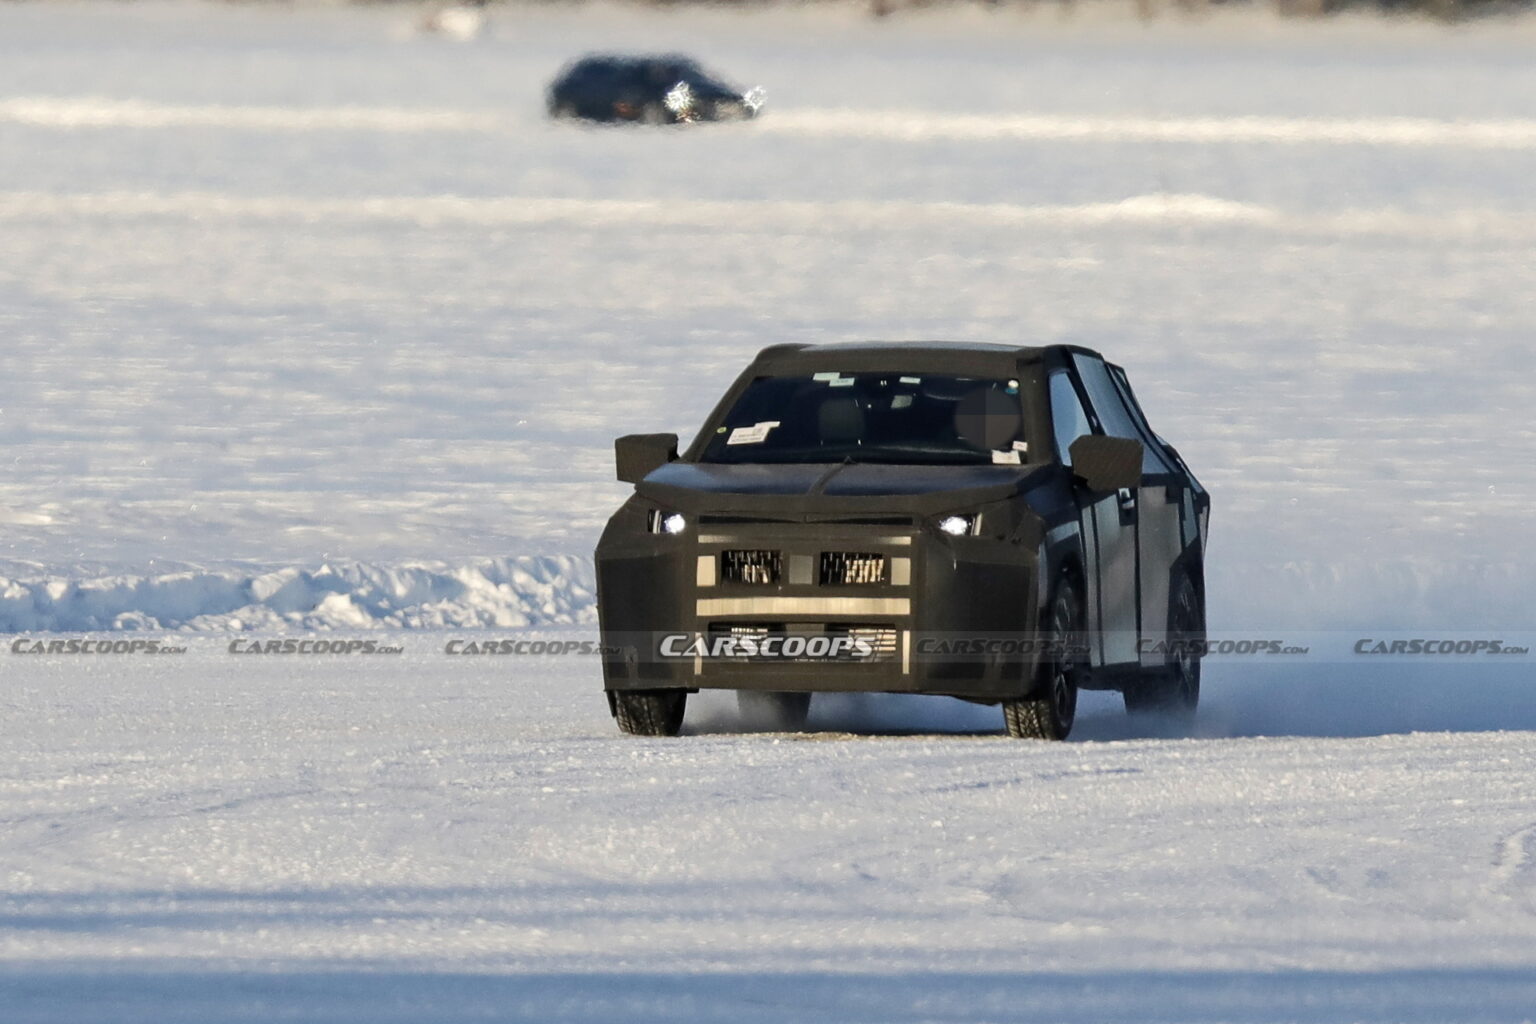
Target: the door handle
(1127, 498)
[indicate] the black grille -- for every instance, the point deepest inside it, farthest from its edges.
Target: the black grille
(754, 567)
(851, 568)
(709, 520)
(755, 629)
(867, 520)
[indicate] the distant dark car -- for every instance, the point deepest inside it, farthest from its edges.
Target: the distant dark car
(986, 522)
(666, 89)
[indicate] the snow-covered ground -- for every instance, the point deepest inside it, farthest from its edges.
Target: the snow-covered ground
(310, 324)
(422, 838)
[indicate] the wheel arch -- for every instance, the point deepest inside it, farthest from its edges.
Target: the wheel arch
(1063, 558)
(1189, 565)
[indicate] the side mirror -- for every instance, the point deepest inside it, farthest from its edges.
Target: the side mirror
(638, 454)
(1107, 464)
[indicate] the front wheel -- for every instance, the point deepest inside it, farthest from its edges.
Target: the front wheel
(650, 712)
(1049, 713)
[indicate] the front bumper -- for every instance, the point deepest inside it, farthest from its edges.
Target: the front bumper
(892, 582)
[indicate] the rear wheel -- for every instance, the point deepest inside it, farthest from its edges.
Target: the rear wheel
(766, 710)
(650, 712)
(1175, 689)
(1048, 714)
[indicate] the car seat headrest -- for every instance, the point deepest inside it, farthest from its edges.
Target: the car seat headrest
(840, 420)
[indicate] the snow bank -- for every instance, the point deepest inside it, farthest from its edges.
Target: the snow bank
(1246, 593)
(496, 592)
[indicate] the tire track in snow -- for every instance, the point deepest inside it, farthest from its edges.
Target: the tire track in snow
(1514, 860)
(75, 112)
(925, 126)
(103, 112)
(824, 217)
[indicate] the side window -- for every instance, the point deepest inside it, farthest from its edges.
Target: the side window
(1132, 404)
(1068, 420)
(1116, 419)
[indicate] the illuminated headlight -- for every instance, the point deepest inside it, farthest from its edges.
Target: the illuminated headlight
(679, 99)
(667, 522)
(957, 526)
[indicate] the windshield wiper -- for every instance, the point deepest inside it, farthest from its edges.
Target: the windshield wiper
(821, 482)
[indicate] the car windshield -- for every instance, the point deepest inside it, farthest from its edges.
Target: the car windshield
(902, 418)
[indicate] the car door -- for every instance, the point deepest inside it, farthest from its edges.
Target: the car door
(1159, 504)
(1168, 525)
(1108, 530)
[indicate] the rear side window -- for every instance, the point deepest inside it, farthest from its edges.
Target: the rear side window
(1068, 420)
(1116, 417)
(1131, 404)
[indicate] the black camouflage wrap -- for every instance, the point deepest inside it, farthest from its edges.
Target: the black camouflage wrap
(798, 527)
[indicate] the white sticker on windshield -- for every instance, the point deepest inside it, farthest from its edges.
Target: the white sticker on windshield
(1021, 446)
(911, 380)
(1005, 458)
(826, 376)
(841, 382)
(755, 434)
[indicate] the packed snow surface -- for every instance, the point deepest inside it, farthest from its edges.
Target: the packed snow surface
(316, 326)
(425, 837)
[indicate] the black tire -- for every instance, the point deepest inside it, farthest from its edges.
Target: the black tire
(1048, 713)
(1174, 690)
(564, 110)
(762, 709)
(650, 712)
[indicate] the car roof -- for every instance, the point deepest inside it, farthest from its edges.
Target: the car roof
(628, 60)
(932, 356)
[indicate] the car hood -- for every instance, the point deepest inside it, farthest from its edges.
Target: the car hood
(810, 488)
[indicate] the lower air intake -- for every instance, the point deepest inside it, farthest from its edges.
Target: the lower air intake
(883, 642)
